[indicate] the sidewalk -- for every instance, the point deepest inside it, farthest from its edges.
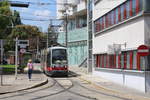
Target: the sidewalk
(21, 83)
(107, 85)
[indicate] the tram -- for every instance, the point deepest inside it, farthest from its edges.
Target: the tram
(54, 61)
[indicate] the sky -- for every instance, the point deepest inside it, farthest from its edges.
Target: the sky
(37, 12)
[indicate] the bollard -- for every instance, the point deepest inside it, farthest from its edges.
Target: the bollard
(1, 73)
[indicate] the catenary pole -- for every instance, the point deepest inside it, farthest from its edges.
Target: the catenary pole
(16, 58)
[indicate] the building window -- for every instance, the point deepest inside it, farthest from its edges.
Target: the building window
(109, 19)
(142, 63)
(122, 12)
(122, 60)
(119, 14)
(140, 5)
(128, 9)
(134, 60)
(117, 20)
(106, 21)
(105, 60)
(131, 60)
(128, 60)
(101, 25)
(133, 7)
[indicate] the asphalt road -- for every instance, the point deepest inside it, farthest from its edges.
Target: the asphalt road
(64, 88)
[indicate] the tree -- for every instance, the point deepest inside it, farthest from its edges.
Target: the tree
(16, 18)
(32, 33)
(5, 21)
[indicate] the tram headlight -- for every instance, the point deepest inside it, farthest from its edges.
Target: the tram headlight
(64, 62)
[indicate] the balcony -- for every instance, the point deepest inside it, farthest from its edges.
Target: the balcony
(61, 5)
(73, 2)
(74, 35)
(81, 6)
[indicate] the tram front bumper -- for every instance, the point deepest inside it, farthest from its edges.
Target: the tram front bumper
(59, 72)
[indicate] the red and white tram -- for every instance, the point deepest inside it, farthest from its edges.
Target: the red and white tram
(54, 61)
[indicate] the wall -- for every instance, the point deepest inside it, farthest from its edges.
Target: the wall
(131, 32)
(81, 6)
(132, 79)
(147, 42)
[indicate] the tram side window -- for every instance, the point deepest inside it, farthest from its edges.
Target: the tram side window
(49, 59)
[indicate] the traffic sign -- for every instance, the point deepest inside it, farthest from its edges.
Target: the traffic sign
(143, 50)
(22, 50)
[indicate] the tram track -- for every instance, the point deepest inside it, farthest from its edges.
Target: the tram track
(25, 92)
(75, 93)
(65, 88)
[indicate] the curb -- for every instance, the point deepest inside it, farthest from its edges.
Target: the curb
(35, 86)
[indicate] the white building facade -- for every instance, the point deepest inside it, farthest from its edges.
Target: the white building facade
(119, 28)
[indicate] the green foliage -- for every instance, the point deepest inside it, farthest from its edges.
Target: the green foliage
(5, 12)
(16, 18)
(7, 66)
(9, 45)
(7, 19)
(25, 32)
(28, 32)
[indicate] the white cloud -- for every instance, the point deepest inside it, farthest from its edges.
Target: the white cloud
(43, 13)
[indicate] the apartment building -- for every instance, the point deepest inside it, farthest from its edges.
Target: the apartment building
(74, 12)
(119, 28)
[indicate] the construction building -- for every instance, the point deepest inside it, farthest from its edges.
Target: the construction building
(74, 15)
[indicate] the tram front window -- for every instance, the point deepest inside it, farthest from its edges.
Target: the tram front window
(59, 56)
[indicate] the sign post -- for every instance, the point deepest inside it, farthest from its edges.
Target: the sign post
(1, 49)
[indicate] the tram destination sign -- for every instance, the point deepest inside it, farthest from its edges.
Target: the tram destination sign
(143, 50)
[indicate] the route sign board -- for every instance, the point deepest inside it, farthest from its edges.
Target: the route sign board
(143, 50)
(23, 42)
